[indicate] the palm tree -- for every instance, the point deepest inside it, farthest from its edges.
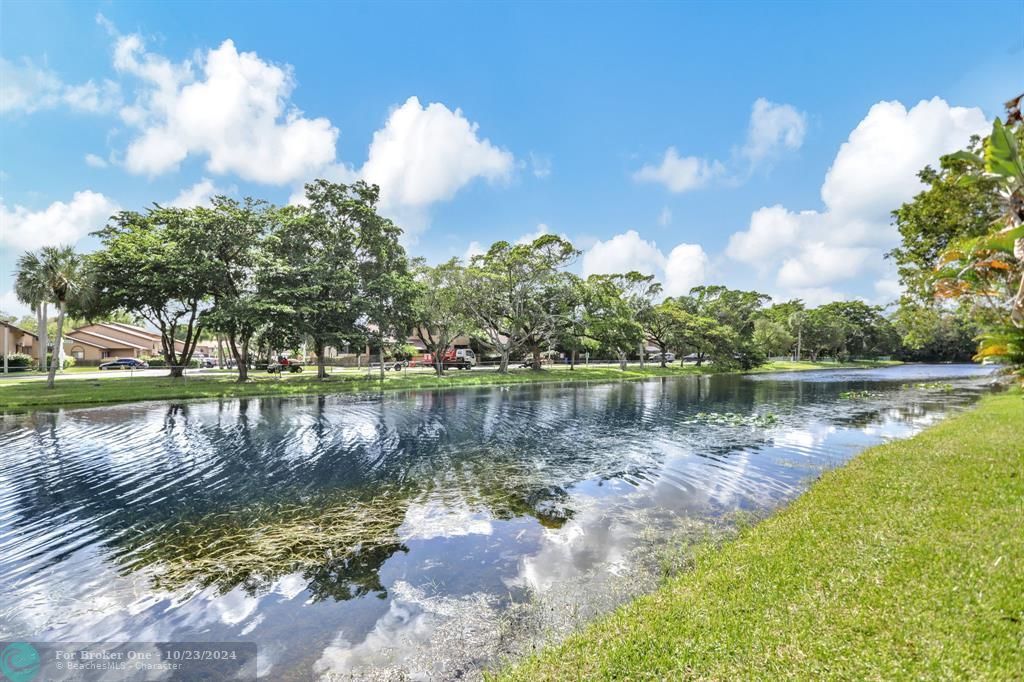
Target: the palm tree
(61, 276)
(31, 289)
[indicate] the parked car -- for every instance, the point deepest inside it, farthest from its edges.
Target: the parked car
(656, 357)
(207, 362)
(125, 363)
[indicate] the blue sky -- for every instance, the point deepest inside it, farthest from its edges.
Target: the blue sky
(757, 145)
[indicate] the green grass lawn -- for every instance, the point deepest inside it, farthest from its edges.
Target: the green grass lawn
(907, 563)
(804, 365)
(118, 387)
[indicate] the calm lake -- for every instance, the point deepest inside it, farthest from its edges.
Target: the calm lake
(427, 534)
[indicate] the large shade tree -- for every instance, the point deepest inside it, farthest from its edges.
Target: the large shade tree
(338, 274)
(156, 264)
(507, 292)
(236, 246)
(612, 304)
(439, 313)
(715, 307)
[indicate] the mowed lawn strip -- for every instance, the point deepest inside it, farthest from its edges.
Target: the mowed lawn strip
(906, 563)
(22, 394)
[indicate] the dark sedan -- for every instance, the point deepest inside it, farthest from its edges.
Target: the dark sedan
(125, 363)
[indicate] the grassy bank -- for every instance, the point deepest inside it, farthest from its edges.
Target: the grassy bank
(805, 365)
(907, 563)
(118, 387)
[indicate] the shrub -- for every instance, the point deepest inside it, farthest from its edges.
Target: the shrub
(161, 362)
(20, 361)
(69, 361)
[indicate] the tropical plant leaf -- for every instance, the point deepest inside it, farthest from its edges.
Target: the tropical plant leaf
(968, 157)
(1002, 157)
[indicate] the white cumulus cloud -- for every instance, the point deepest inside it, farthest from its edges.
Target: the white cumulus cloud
(684, 268)
(231, 107)
(425, 154)
(59, 223)
(873, 172)
(623, 253)
(771, 228)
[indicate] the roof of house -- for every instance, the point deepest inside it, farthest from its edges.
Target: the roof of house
(132, 329)
(72, 340)
(124, 329)
(19, 329)
(113, 342)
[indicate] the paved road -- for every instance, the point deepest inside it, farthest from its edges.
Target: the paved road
(63, 376)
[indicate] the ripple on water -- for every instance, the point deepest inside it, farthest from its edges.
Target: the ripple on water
(426, 533)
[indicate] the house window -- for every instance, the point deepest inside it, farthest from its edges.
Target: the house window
(78, 354)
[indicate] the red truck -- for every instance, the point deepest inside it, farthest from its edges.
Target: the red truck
(284, 364)
(461, 358)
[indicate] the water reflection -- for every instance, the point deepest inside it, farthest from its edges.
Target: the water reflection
(347, 534)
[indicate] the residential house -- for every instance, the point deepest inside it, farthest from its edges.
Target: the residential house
(17, 340)
(108, 340)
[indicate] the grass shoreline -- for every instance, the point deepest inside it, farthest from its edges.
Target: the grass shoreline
(23, 395)
(906, 563)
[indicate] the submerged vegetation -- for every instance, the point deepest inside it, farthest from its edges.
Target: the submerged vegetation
(906, 563)
(859, 395)
(733, 419)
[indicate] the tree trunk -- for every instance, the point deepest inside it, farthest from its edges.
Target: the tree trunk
(381, 355)
(572, 357)
(535, 350)
(700, 359)
(622, 360)
(503, 365)
(642, 349)
(321, 365)
(243, 362)
(1017, 308)
(241, 356)
(56, 357)
(43, 336)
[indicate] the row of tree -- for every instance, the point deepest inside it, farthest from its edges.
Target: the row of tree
(520, 299)
(332, 273)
